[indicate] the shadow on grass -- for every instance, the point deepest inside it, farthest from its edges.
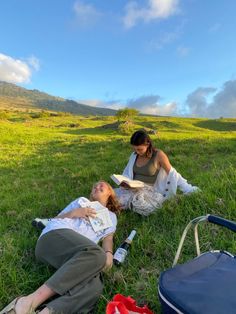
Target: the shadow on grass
(217, 125)
(161, 124)
(113, 128)
(105, 129)
(17, 119)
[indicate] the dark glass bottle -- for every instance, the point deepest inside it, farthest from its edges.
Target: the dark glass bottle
(123, 249)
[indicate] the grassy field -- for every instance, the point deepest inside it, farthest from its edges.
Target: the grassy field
(46, 162)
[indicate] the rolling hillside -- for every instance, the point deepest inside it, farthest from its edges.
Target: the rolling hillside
(15, 97)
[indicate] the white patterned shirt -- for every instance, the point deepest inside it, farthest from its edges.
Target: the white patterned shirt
(80, 225)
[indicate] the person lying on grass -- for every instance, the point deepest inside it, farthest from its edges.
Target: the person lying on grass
(151, 166)
(69, 244)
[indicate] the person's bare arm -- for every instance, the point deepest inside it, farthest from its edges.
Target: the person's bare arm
(107, 245)
(80, 212)
(163, 161)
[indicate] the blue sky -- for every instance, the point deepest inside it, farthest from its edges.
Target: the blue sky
(168, 57)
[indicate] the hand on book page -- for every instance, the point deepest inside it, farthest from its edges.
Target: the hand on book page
(126, 182)
(102, 219)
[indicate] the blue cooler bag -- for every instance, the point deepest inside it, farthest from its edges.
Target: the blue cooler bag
(204, 285)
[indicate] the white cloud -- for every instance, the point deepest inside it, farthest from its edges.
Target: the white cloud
(86, 14)
(169, 109)
(144, 101)
(145, 104)
(90, 102)
(34, 62)
(207, 102)
(150, 105)
(223, 103)
(15, 70)
(197, 101)
(155, 9)
(113, 104)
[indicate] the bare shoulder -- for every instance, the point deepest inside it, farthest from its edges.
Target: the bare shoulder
(160, 155)
(163, 160)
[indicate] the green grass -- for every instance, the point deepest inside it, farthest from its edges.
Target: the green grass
(47, 162)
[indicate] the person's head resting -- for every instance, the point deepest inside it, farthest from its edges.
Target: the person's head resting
(142, 143)
(104, 193)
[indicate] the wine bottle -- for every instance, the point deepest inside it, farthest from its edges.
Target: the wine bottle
(122, 250)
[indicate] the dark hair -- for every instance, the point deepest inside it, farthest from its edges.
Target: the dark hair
(141, 137)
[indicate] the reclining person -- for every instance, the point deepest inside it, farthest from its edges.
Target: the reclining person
(69, 244)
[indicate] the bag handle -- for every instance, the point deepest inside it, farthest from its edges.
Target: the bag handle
(222, 222)
(194, 223)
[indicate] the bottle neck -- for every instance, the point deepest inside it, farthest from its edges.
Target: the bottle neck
(131, 236)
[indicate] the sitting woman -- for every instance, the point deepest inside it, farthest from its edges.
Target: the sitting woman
(69, 244)
(151, 166)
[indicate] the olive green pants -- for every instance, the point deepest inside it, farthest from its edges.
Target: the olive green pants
(79, 262)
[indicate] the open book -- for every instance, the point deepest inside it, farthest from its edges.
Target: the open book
(102, 219)
(119, 179)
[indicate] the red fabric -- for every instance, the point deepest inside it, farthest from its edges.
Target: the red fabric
(124, 305)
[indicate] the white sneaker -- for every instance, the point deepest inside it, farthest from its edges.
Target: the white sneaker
(40, 223)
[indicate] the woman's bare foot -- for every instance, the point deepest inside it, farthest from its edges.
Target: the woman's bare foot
(45, 311)
(27, 304)
(24, 305)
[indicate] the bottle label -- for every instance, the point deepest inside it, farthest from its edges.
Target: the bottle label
(120, 255)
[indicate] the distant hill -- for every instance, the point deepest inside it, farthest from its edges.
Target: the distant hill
(15, 97)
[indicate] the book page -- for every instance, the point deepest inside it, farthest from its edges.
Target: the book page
(135, 183)
(102, 219)
(118, 179)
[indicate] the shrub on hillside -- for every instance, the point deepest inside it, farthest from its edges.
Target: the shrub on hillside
(126, 127)
(126, 114)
